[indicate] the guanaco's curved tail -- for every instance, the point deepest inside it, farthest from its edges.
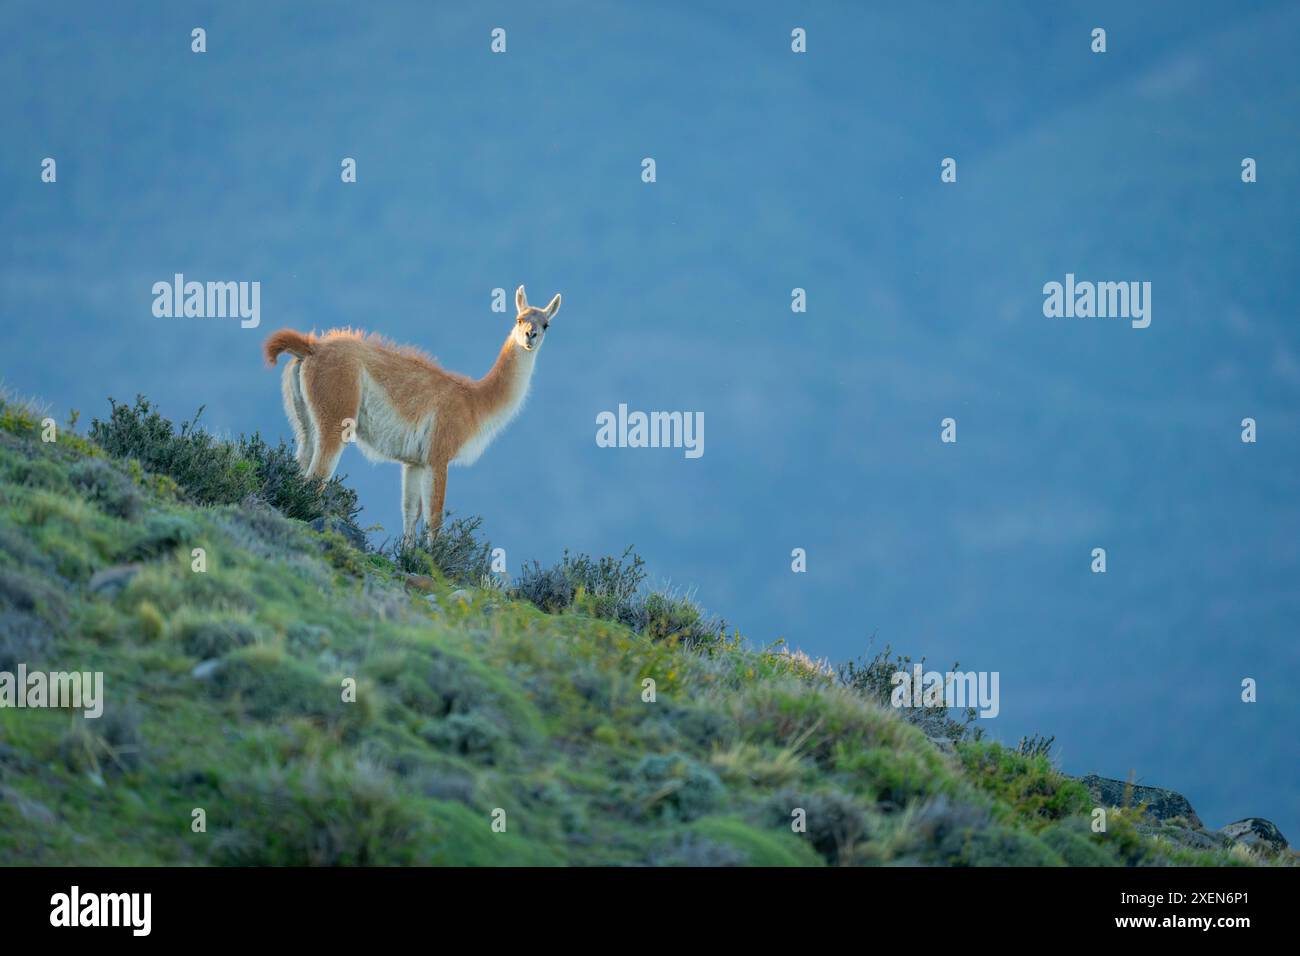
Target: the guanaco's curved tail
(287, 340)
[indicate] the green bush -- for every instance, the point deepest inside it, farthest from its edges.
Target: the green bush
(835, 821)
(1028, 784)
(548, 588)
(24, 638)
(216, 472)
(662, 616)
(106, 486)
(455, 552)
(110, 742)
(206, 637)
(265, 684)
(40, 473)
(1073, 841)
(873, 679)
(776, 847)
(676, 786)
(608, 584)
(609, 579)
(945, 831)
(159, 535)
(695, 849)
(340, 812)
(609, 588)
(471, 735)
(211, 471)
(283, 485)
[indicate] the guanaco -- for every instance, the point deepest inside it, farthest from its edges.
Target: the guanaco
(399, 405)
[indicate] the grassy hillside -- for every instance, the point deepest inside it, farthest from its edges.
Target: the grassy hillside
(225, 692)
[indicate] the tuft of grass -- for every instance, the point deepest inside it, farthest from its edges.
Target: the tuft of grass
(19, 416)
(1035, 746)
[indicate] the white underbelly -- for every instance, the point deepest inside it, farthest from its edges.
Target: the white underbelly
(384, 435)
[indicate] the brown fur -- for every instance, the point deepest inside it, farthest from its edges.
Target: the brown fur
(287, 340)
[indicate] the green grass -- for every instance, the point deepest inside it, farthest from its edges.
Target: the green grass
(230, 691)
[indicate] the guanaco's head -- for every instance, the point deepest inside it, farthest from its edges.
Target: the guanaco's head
(530, 326)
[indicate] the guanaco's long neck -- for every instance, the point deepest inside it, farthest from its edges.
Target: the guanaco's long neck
(505, 385)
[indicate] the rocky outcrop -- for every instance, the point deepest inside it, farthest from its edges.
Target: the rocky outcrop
(1172, 817)
(1256, 833)
(1161, 804)
(111, 581)
(354, 535)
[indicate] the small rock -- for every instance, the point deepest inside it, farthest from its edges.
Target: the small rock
(354, 535)
(460, 594)
(112, 581)
(30, 810)
(421, 582)
(14, 759)
(1256, 833)
(1185, 836)
(206, 669)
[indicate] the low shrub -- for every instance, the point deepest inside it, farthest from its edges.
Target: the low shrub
(106, 486)
(216, 472)
(834, 822)
(455, 552)
(339, 812)
(676, 786)
(874, 680)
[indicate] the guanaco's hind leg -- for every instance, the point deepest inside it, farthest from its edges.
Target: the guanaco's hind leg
(414, 478)
(295, 408)
(333, 396)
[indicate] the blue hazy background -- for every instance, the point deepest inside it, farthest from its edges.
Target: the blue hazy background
(775, 170)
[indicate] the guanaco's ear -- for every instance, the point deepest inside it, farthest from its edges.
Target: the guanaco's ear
(553, 307)
(521, 300)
